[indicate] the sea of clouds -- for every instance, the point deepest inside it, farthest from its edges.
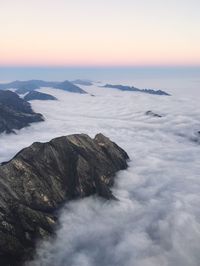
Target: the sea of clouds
(156, 221)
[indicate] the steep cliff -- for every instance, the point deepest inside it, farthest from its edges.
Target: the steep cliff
(41, 178)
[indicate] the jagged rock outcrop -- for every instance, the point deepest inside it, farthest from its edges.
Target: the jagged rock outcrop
(36, 95)
(150, 113)
(41, 178)
(15, 113)
(134, 89)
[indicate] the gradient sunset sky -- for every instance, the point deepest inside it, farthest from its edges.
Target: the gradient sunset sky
(99, 32)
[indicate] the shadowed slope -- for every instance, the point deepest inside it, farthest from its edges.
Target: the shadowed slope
(15, 113)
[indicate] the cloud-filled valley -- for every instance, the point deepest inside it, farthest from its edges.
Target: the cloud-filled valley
(157, 218)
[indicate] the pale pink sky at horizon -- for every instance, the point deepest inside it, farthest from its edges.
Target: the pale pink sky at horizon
(99, 33)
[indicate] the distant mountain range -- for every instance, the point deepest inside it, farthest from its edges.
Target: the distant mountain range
(129, 88)
(15, 113)
(82, 82)
(23, 87)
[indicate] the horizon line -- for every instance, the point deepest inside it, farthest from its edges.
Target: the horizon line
(103, 66)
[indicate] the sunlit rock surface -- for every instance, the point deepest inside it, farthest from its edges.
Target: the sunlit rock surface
(41, 178)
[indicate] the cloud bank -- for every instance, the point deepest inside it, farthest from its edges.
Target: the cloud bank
(157, 220)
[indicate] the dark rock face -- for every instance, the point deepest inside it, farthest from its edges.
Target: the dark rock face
(36, 95)
(31, 85)
(129, 88)
(150, 113)
(41, 178)
(15, 113)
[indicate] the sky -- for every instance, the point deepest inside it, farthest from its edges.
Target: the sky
(99, 33)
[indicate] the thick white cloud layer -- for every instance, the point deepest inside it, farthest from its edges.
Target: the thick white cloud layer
(157, 220)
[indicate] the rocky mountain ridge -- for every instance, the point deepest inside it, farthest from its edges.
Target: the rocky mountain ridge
(36, 183)
(134, 89)
(15, 113)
